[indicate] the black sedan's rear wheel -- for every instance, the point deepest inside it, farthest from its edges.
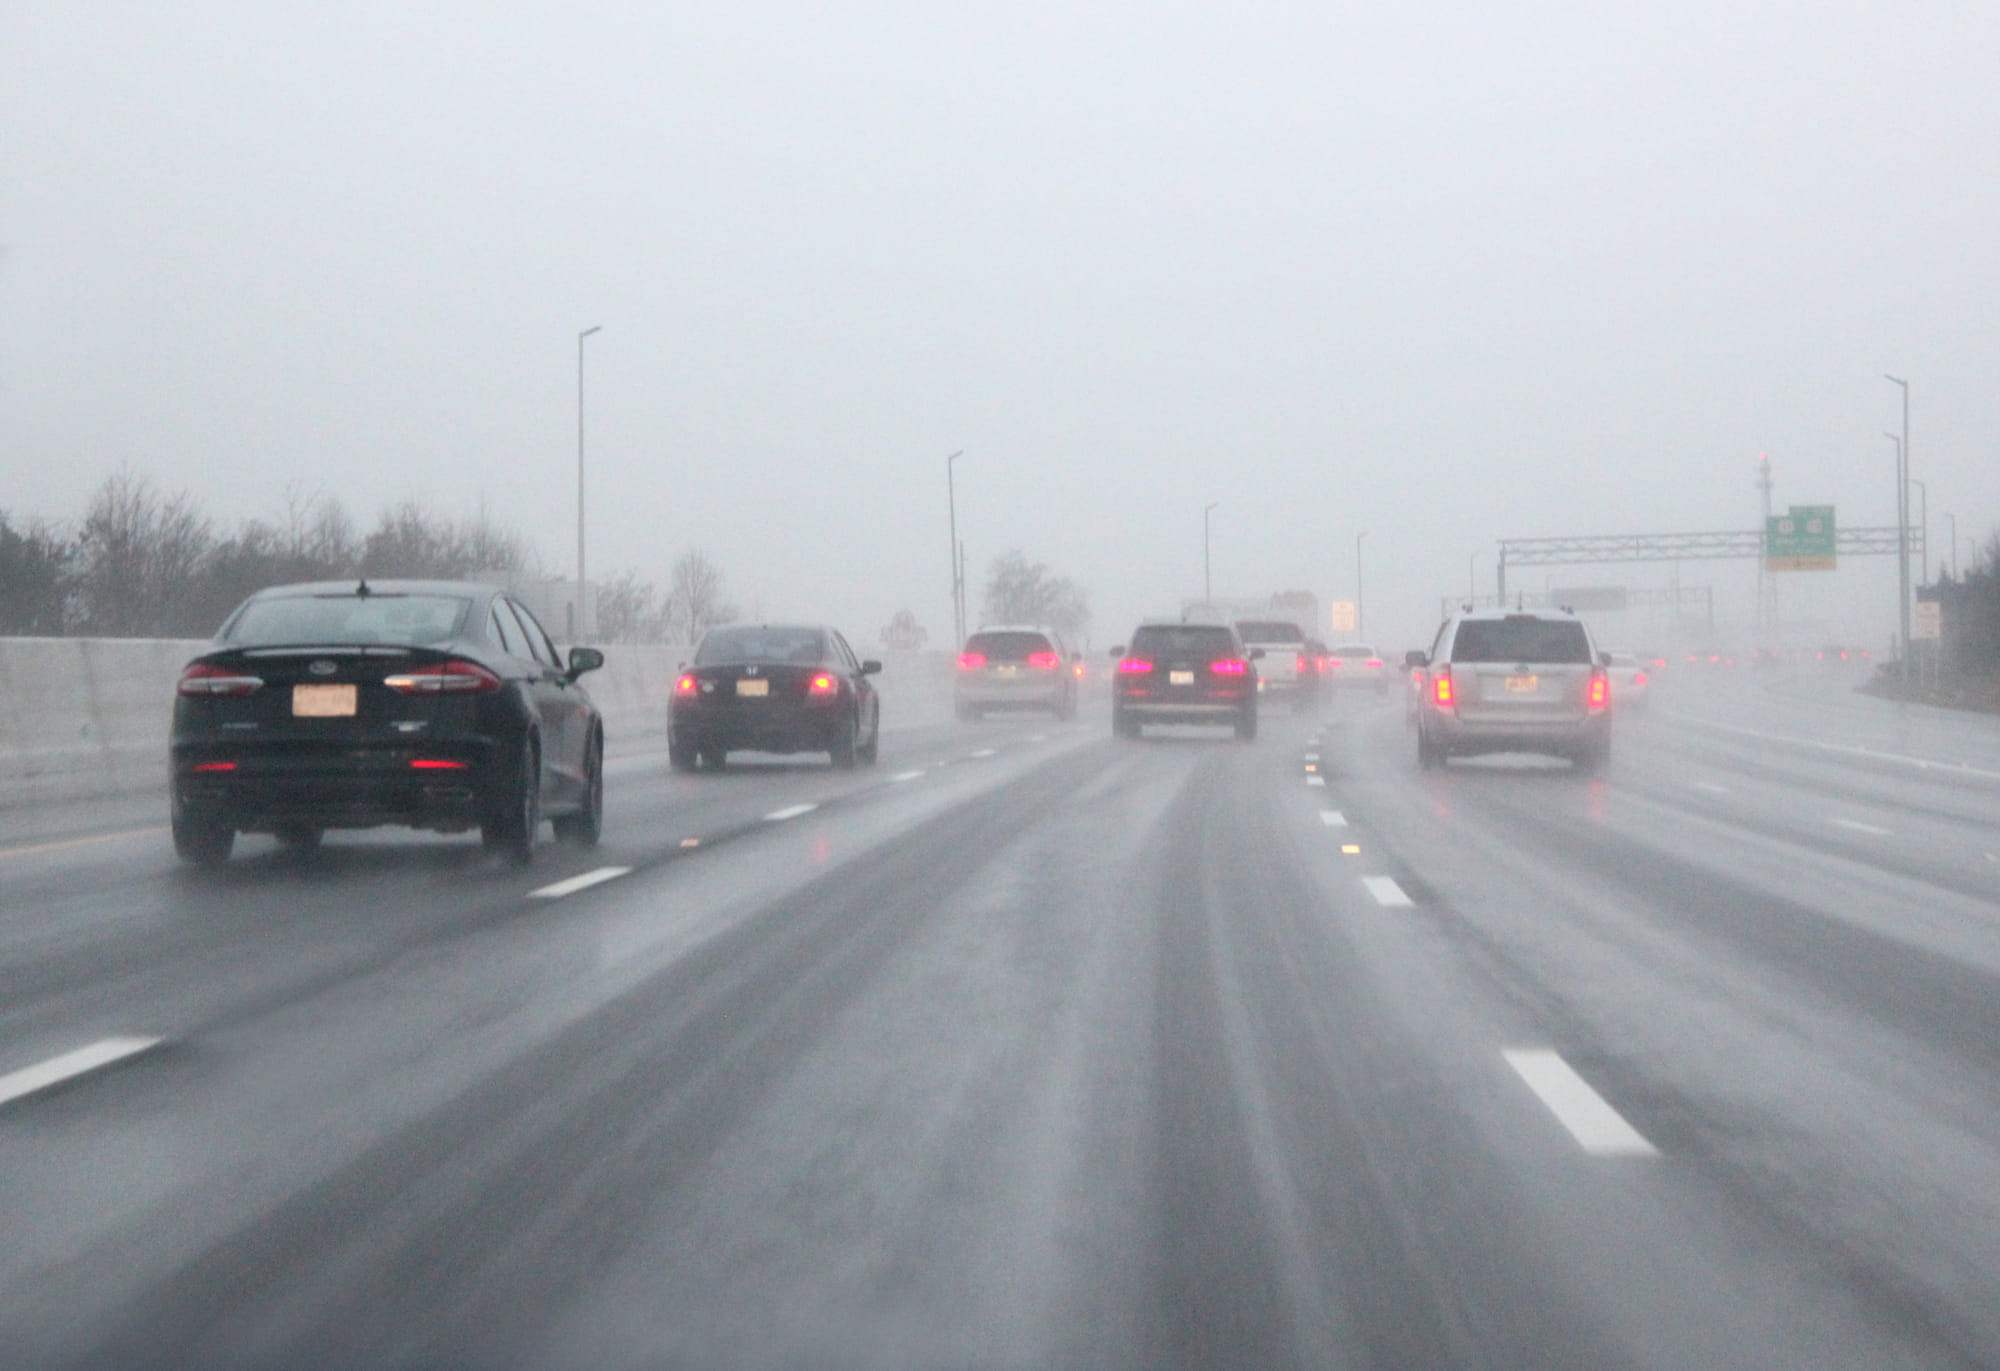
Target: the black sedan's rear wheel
(681, 755)
(843, 750)
(518, 811)
(201, 840)
(1246, 725)
(586, 826)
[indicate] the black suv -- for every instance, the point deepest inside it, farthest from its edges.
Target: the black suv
(1176, 673)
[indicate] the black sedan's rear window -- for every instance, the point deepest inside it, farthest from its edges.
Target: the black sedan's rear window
(1194, 640)
(1008, 647)
(800, 646)
(1525, 639)
(332, 620)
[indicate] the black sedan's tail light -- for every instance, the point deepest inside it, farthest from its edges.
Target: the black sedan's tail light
(453, 677)
(206, 678)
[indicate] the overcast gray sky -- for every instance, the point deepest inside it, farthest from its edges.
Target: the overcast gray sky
(1446, 273)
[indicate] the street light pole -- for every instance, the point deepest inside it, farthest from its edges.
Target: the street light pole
(957, 579)
(1923, 530)
(581, 627)
(1207, 586)
(1360, 624)
(1953, 524)
(1903, 526)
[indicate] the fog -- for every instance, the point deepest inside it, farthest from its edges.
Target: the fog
(1445, 274)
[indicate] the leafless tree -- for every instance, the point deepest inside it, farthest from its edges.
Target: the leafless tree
(1022, 592)
(694, 602)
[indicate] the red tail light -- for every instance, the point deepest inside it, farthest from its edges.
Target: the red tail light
(454, 677)
(205, 678)
(824, 684)
(1333, 663)
(686, 686)
(214, 766)
(1229, 666)
(438, 764)
(1600, 690)
(1441, 688)
(971, 661)
(1044, 661)
(1375, 662)
(1134, 666)
(1303, 664)
(1638, 678)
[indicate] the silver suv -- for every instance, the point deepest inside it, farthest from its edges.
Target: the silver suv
(1504, 681)
(1016, 666)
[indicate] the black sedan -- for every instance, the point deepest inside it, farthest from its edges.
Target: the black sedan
(773, 688)
(435, 704)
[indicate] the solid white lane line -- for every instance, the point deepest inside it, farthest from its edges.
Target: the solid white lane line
(984, 752)
(1386, 892)
(907, 776)
(1711, 787)
(70, 1065)
(1848, 749)
(576, 883)
(1597, 1127)
(63, 844)
(1856, 826)
(1316, 780)
(1333, 818)
(778, 816)
(1312, 756)
(1038, 737)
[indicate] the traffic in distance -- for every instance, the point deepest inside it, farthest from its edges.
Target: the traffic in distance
(446, 706)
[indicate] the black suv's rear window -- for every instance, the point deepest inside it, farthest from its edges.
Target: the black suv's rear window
(1269, 631)
(1521, 640)
(1195, 640)
(801, 646)
(339, 619)
(1008, 647)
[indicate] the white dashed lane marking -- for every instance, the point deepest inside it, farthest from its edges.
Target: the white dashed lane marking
(1597, 1127)
(1711, 787)
(984, 752)
(1333, 818)
(1386, 892)
(1312, 756)
(778, 816)
(30, 1080)
(576, 883)
(1316, 780)
(1856, 826)
(907, 776)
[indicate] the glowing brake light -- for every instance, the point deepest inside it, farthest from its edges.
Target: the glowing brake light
(214, 766)
(1600, 690)
(1229, 666)
(1044, 661)
(438, 764)
(1134, 666)
(454, 677)
(1638, 678)
(824, 684)
(1441, 689)
(971, 661)
(1375, 662)
(206, 678)
(1304, 663)
(686, 686)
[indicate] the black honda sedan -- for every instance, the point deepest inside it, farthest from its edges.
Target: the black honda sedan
(350, 704)
(773, 688)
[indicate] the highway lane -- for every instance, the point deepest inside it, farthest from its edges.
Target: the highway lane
(1031, 1048)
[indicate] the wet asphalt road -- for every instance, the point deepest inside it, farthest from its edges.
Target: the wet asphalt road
(1032, 1048)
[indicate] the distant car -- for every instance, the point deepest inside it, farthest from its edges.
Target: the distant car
(351, 704)
(1282, 644)
(1631, 685)
(1313, 666)
(1014, 668)
(1357, 666)
(782, 688)
(1506, 681)
(1182, 673)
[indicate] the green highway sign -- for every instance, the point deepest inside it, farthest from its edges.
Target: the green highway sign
(1801, 540)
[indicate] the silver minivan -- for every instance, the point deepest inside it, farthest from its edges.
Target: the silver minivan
(1513, 681)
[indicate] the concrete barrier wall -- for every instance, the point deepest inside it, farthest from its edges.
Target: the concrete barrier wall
(84, 718)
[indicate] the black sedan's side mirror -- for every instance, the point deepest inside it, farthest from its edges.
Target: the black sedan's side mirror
(582, 659)
(1415, 660)
(870, 667)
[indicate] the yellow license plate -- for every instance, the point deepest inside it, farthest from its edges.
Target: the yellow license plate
(753, 687)
(1523, 685)
(325, 701)
(1180, 678)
